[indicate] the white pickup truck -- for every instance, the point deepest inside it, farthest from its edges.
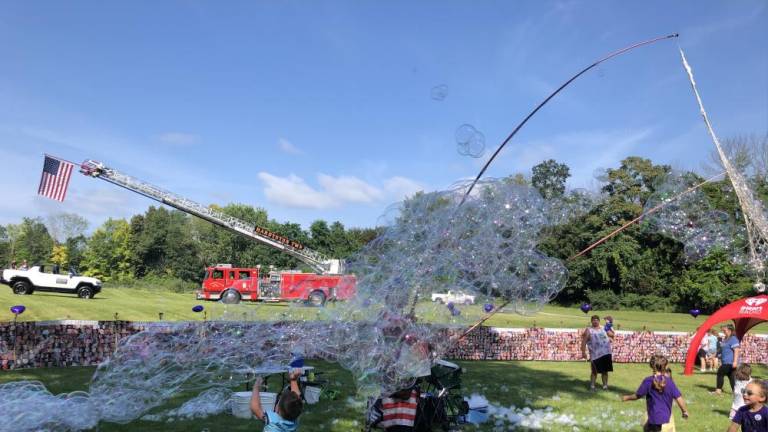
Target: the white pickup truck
(37, 279)
(455, 297)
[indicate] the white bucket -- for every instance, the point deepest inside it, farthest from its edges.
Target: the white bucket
(312, 394)
(241, 403)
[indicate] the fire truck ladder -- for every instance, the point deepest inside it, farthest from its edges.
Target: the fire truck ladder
(316, 260)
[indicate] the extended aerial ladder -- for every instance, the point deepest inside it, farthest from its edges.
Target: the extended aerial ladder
(314, 259)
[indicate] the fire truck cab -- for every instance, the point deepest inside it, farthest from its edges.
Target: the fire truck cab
(232, 284)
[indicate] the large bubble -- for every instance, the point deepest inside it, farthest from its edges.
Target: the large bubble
(690, 218)
(435, 265)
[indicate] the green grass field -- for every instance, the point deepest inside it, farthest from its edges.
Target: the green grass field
(562, 386)
(144, 305)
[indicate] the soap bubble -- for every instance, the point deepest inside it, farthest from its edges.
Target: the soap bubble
(439, 92)
(469, 141)
(692, 220)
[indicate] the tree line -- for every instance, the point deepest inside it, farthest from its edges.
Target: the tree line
(637, 269)
(164, 243)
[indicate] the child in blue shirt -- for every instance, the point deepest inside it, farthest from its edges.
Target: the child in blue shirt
(608, 324)
(289, 406)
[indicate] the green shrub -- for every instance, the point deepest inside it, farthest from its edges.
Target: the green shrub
(649, 302)
(609, 300)
(603, 299)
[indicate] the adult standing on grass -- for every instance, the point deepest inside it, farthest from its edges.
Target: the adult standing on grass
(598, 341)
(731, 352)
(702, 354)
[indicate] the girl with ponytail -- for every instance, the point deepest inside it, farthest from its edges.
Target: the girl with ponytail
(659, 390)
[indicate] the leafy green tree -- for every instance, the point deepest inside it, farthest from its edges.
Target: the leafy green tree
(5, 256)
(321, 237)
(711, 283)
(635, 179)
(108, 254)
(34, 243)
(76, 247)
(362, 236)
(161, 245)
(341, 244)
(549, 178)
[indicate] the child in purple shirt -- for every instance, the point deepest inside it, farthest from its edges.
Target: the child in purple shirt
(753, 417)
(659, 391)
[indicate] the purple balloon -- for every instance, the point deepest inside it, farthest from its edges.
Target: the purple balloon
(694, 312)
(18, 309)
(586, 307)
(488, 307)
(450, 305)
(455, 312)
(198, 308)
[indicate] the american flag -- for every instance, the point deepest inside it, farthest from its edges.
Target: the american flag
(55, 178)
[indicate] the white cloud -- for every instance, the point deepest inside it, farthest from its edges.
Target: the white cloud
(349, 189)
(179, 138)
(401, 187)
(293, 191)
(288, 147)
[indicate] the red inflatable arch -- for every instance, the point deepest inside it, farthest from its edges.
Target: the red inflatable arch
(745, 313)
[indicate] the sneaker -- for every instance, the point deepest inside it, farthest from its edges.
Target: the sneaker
(605, 387)
(592, 388)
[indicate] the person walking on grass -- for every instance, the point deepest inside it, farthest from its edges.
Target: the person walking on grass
(730, 353)
(598, 341)
(659, 390)
(752, 417)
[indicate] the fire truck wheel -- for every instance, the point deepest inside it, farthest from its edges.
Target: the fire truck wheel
(230, 297)
(317, 298)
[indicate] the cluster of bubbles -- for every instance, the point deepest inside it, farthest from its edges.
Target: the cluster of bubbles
(439, 92)
(470, 141)
(386, 336)
(691, 219)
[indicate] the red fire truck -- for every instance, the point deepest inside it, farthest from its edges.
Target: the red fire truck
(230, 285)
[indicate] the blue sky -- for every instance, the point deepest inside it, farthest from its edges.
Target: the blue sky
(322, 110)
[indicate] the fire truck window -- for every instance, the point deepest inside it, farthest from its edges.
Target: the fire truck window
(245, 275)
(218, 274)
(231, 274)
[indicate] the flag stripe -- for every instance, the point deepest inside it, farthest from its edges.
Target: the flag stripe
(55, 178)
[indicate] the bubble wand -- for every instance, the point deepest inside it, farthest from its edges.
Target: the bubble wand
(544, 102)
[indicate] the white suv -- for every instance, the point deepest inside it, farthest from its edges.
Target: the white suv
(455, 297)
(37, 279)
